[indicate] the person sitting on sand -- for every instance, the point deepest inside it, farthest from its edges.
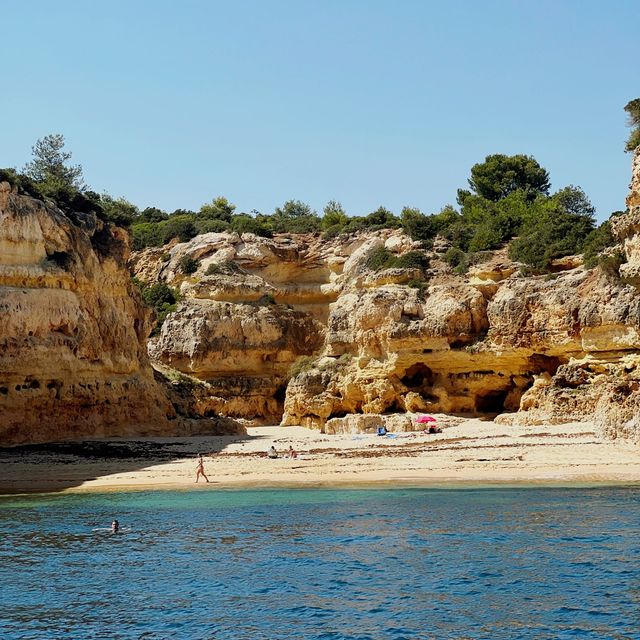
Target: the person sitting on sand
(292, 452)
(115, 526)
(272, 453)
(200, 470)
(433, 429)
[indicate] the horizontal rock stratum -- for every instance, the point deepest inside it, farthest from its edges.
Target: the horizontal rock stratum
(296, 328)
(73, 331)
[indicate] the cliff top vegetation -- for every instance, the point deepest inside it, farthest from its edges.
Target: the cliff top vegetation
(507, 200)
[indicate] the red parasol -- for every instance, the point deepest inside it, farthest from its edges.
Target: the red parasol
(425, 419)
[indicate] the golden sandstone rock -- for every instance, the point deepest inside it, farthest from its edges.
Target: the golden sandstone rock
(73, 330)
(542, 348)
(296, 329)
(551, 348)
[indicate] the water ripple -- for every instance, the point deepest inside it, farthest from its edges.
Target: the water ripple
(314, 564)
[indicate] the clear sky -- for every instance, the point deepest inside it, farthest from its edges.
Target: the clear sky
(368, 102)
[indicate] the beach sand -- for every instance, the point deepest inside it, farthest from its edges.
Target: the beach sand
(468, 451)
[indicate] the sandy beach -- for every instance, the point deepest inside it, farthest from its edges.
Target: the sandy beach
(467, 451)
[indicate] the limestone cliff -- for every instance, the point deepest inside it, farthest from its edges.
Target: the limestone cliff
(73, 358)
(552, 347)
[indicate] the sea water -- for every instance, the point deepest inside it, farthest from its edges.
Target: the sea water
(325, 564)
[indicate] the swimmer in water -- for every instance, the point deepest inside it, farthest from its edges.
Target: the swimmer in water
(115, 526)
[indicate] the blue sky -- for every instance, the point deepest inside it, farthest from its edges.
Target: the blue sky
(365, 101)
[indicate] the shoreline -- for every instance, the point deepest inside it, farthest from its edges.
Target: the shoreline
(451, 484)
(470, 453)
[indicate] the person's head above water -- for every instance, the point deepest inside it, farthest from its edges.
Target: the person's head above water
(115, 526)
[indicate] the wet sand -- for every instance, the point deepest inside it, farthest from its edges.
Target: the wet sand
(468, 451)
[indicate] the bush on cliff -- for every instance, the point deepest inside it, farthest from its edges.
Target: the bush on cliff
(302, 364)
(188, 265)
(244, 223)
(294, 216)
(610, 263)
(596, 242)
(161, 298)
(557, 226)
(228, 267)
(633, 111)
(50, 168)
(334, 216)
(381, 258)
(118, 211)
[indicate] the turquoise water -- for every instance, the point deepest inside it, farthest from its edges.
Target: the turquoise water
(323, 564)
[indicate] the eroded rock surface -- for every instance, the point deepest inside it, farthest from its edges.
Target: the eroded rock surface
(553, 347)
(73, 330)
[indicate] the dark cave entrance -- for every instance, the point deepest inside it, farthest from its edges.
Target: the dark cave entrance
(491, 402)
(417, 376)
(280, 393)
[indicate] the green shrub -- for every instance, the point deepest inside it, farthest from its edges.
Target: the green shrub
(454, 256)
(211, 225)
(118, 211)
(146, 234)
(188, 265)
(381, 218)
(633, 112)
(332, 232)
(294, 217)
(334, 216)
(181, 226)
(152, 214)
(302, 364)
(596, 242)
(412, 260)
(24, 184)
(609, 263)
(218, 209)
(223, 268)
(380, 258)
(355, 224)
(161, 298)
(418, 226)
(553, 236)
(243, 223)
(458, 260)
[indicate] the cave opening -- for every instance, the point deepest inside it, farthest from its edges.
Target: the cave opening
(62, 259)
(394, 407)
(281, 393)
(491, 402)
(417, 376)
(538, 363)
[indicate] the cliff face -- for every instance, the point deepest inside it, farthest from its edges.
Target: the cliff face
(555, 347)
(73, 358)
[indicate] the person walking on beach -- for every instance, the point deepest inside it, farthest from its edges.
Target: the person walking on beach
(200, 470)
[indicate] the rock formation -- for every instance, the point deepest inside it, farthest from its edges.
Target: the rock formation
(298, 328)
(73, 330)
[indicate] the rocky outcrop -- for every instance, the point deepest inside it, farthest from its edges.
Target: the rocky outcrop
(243, 350)
(251, 309)
(298, 328)
(73, 330)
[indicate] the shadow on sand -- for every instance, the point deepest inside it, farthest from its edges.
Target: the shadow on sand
(57, 466)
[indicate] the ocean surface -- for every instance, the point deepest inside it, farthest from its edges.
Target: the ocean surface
(322, 564)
